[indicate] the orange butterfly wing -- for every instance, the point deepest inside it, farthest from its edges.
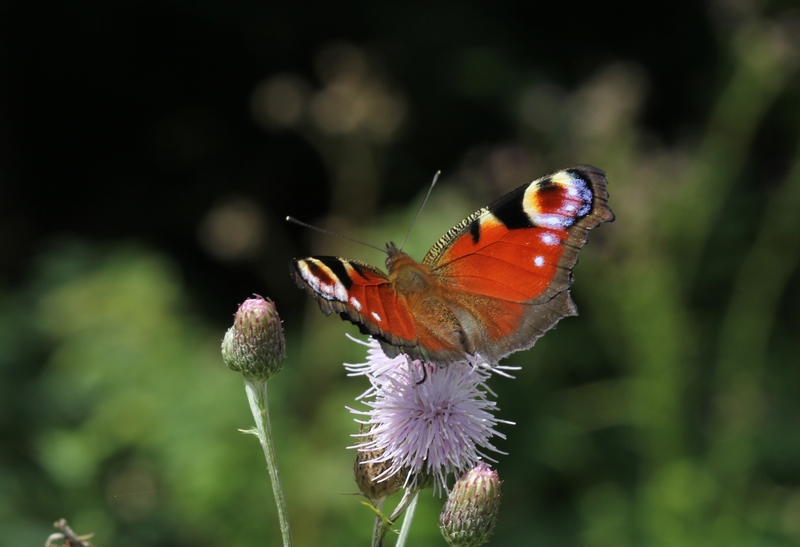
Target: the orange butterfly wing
(490, 286)
(359, 293)
(508, 267)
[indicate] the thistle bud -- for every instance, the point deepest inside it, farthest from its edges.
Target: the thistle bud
(254, 344)
(470, 512)
(367, 475)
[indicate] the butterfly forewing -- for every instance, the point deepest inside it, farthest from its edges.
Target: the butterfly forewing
(360, 293)
(510, 263)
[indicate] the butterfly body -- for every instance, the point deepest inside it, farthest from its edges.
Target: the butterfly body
(491, 285)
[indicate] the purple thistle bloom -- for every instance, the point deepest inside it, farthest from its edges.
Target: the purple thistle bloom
(439, 426)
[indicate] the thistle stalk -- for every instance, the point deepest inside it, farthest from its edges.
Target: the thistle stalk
(257, 397)
(255, 347)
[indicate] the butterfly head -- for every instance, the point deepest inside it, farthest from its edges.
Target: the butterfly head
(393, 255)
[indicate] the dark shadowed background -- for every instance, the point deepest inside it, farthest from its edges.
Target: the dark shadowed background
(149, 152)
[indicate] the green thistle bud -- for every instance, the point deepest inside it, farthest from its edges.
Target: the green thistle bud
(254, 344)
(367, 473)
(470, 513)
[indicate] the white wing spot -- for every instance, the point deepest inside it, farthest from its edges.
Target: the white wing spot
(340, 293)
(326, 289)
(355, 303)
(550, 220)
(332, 291)
(376, 316)
(539, 261)
(549, 239)
(329, 291)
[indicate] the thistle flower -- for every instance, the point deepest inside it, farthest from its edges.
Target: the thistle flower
(430, 428)
(470, 512)
(254, 345)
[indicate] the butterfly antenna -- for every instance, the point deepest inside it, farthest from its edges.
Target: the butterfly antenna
(424, 201)
(328, 232)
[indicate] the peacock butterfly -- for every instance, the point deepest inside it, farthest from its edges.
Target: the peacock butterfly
(491, 285)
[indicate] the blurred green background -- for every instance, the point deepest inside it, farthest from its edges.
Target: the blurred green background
(150, 150)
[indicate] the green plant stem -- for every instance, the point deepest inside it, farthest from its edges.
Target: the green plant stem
(257, 397)
(741, 399)
(379, 529)
(409, 517)
(383, 524)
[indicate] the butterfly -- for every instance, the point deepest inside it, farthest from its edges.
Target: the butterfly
(490, 286)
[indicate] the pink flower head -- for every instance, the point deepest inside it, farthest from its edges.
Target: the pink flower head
(431, 427)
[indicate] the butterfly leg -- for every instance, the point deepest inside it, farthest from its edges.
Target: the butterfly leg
(413, 370)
